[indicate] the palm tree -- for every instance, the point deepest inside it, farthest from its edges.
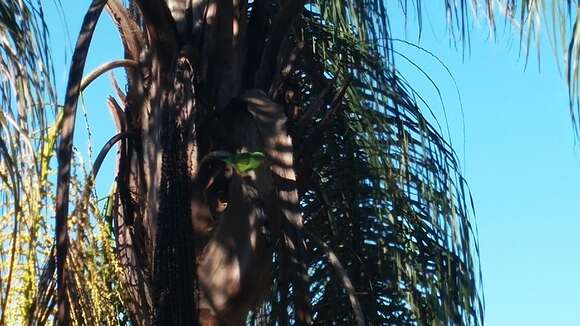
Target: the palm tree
(273, 167)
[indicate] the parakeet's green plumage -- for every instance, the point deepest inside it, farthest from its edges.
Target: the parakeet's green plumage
(245, 162)
(241, 162)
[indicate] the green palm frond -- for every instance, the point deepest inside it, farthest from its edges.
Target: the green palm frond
(384, 190)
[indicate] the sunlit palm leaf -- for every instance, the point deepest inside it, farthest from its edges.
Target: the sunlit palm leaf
(26, 95)
(29, 125)
(556, 21)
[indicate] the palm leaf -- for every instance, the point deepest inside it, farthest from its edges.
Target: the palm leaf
(379, 184)
(29, 127)
(26, 99)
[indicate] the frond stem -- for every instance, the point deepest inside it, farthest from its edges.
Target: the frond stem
(127, 63)
(342, 275)
(65, 154)
(15, 186)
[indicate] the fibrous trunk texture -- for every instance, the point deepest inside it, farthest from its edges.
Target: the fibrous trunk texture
(196, 236)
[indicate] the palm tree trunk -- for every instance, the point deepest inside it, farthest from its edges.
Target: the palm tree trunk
(180, 254)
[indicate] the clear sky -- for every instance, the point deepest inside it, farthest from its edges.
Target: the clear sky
(517, 152)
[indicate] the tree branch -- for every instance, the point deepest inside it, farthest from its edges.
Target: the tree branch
(65, 153)
(105, 150)
(342, 275)
(127, 63)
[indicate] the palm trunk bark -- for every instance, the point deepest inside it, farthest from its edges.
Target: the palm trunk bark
(195, 241)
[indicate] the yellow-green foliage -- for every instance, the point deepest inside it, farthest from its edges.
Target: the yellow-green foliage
(29, 127)
(92, 260)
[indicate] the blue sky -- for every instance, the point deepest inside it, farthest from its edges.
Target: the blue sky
(517, 152)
